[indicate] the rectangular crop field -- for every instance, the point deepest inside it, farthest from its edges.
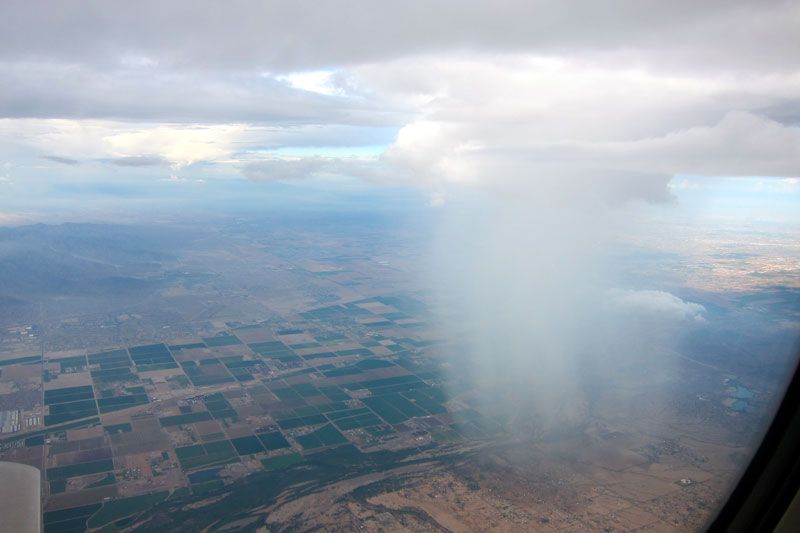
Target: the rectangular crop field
(274, 440)
(188, 418)
(218, 452)
(80, 469)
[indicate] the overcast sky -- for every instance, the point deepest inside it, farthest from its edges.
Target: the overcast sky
(583, 101)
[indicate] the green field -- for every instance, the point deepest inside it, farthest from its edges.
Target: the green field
(281, 461)
(334, 393)
(72, 407)
(70, 403)
(152, 357)
(360, 421)
(291, 423)
(117, 357)
(165, 365)
(108, 405)
(306, 390)
(218, 452)
(187, 346)
(80, 469)
(72, 519)
(329, 435)
(309, 442)
(286, 394)
(113, 374)
(222, 340)
(385, 410)
(427, 400)
(319, 355)
(247, 445)
(219, 407)
(383, 382)
(116, 509)
(201, 376)
(22, 360)
(403, 405)
(274, 440)
(68, 394)
(325, 436)
(369, 364)
(348, 413)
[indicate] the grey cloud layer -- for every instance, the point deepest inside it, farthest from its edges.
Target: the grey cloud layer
(203, 61)
(305, 34)
(140, 161)
(626, 93)
(62, 160)
(52, 90)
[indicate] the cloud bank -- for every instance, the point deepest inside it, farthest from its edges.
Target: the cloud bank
(468, 92)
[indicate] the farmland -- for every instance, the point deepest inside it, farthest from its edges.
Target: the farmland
(247, 387)
(124, 427)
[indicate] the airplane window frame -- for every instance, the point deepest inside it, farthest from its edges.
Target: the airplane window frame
(771, 480)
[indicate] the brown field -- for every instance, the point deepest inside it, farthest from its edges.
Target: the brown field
(33, 456)
(69, 380)
(207, 426)
(160, 376)
(249, 336)
(228, 351)
(139, 462)
(85, 433)
(28, 373)
(239, 430)
(85, 456)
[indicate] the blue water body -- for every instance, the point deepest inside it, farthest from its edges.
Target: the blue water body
(740, 406)
(742, 393)
(204, 475)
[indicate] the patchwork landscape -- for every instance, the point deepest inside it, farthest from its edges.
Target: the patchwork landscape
(356, 412)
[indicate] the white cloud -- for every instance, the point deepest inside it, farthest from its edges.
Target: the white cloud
(658, 305)
(437, 199)
(180, 145)
(126, 144)
(315, 81)
(12, 219)
(558, 127)
(786, 186)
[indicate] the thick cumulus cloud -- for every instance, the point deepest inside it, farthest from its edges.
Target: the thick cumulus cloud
(561, 150)
(493, 121)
